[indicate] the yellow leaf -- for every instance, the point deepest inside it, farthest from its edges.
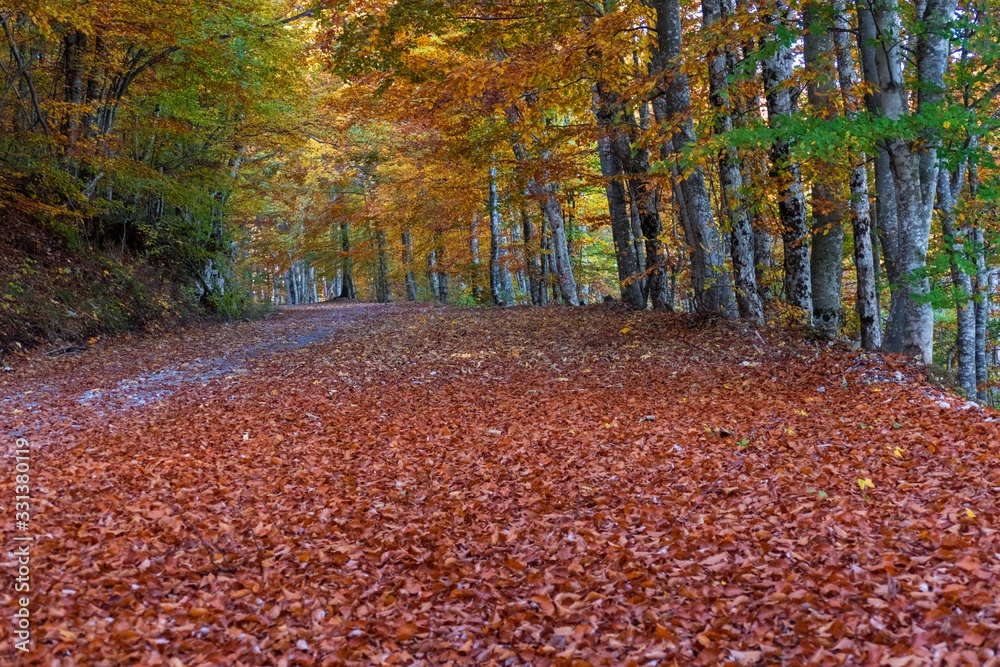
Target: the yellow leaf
(969, 513)
(866, 483)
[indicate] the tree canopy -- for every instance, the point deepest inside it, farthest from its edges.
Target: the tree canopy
(831, 165)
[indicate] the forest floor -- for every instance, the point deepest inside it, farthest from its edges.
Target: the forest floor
(361, 484)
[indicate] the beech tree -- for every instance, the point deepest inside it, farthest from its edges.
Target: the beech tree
(865, 261)
(912, 168)
(733, 197)
(782, 104)
(672, 107)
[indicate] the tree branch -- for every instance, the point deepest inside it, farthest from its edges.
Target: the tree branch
(5, 21)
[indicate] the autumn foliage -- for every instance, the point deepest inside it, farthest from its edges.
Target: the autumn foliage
(412, 485)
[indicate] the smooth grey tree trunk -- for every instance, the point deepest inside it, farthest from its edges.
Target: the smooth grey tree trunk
(531, 257)
(383, 282)
(776, 73)
(645, 198)
(982, 310)
(507, 283)
(913, 165)
(741, 245)
(981, 293)
(411, 278)
(560, 249)
(545, 257)
(477, 290)
(74, 69)
(869, 313)
(605, 110)
(544, 190)
(432, 275)
(713, 292)
(290, 286)
(965, 341)
(497, 291)
(638, 243)
(887, 219)
(932, 63)
(519, 276)
(747, 114)
(827, 256)
(347, 290)
(442, 275)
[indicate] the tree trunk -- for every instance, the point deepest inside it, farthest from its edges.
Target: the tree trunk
(301, 279)
(95, 87)
(776, 71)
(638, 244)
(347, 290)
(477, 290)
(442, 276)
(432, 275)
(965, 342)
(932, 63)
(747, 114)
(886, 215)
(741, 229)
(981, 292)
(383, 282)
(645, 198)
(290, 285)
(827, 258)
(520, 275)
(543, 189)
(868, 309)
(646, 203)
(546, 264)
(560, 249)
(74, 72)
(411, 278)
(605, 110)
(713, 292)
(507, 286)
(914, 165)
(531, 259)
(496, 270)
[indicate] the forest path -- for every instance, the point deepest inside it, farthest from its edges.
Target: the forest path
(415, 485)
(137, 371)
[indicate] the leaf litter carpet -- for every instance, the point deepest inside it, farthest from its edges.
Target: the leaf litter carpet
(356, 484)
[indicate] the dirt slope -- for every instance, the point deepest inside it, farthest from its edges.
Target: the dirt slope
(412, 485)
(56, 292)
